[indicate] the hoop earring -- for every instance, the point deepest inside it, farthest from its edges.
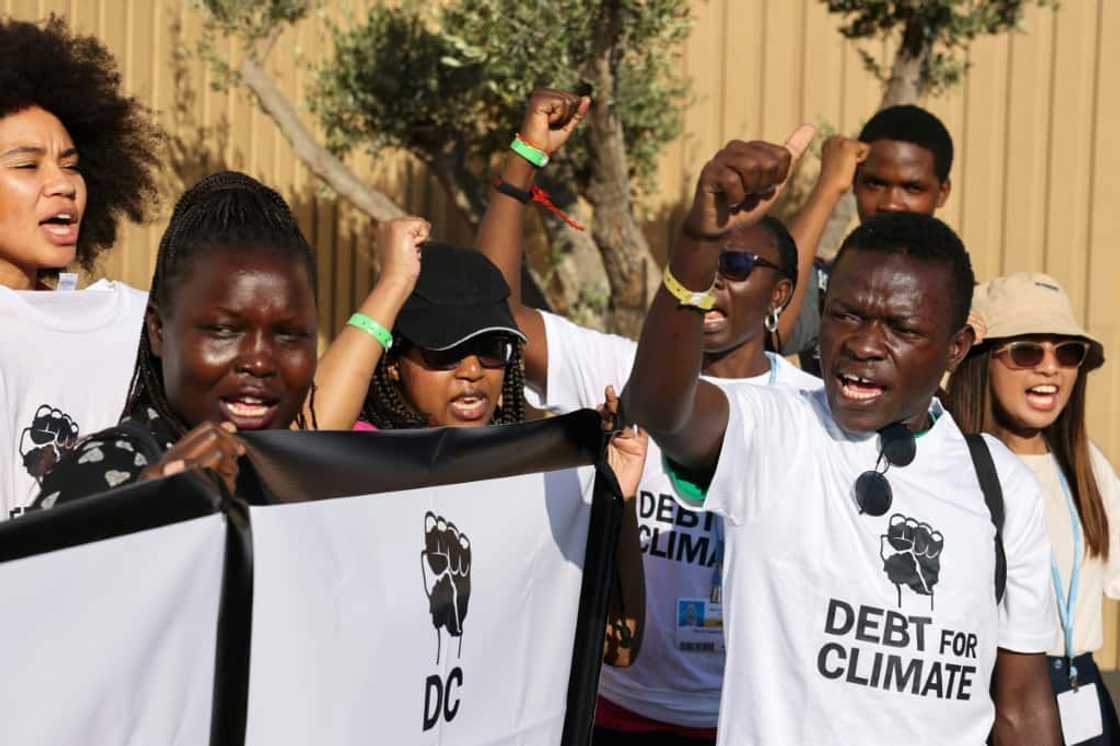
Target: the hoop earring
(771, 320)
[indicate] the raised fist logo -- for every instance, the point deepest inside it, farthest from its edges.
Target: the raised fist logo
(911, 553)
(446, 564)
(51, 434)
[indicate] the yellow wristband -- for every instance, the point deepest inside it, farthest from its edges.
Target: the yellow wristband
(702, 300)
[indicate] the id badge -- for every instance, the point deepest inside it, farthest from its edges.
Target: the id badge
(1080, 712)
(699, 626)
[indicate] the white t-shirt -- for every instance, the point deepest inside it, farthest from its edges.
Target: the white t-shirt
(837, 632)
(1098, 578)
(679, 673)
(67, 361)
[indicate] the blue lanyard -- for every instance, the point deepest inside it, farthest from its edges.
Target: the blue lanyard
(1068, 601)
(717, 527)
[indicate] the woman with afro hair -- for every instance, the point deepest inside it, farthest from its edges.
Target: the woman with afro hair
(76, 155)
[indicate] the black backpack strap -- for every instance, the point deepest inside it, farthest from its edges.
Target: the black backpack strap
(993, 498)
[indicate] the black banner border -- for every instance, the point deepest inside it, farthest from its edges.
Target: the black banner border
(591, 617)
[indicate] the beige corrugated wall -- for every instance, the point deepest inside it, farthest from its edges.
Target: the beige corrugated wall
(1034, 182)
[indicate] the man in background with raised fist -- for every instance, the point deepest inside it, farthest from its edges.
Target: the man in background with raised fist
(899, 163)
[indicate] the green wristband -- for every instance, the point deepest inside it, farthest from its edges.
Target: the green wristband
(536, 156)
(383, 336)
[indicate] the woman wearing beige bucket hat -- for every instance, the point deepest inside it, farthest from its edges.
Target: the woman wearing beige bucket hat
(1025, 382)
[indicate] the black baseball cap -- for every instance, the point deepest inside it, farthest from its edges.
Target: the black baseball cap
(459, 295)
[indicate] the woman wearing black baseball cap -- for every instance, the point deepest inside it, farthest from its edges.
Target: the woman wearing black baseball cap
(433, 345)
(456, 354)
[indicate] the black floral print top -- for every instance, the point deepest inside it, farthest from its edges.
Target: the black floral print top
(107, 459)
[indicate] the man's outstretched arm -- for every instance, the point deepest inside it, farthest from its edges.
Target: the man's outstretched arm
(685, 416)
(1026, 712)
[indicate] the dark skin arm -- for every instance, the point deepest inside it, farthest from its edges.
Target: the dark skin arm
(550, 118)
(687, 417)
(1026, 712)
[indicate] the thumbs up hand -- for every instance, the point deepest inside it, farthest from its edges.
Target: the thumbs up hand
(739, 184)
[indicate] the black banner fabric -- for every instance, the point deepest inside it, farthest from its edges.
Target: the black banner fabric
(288, 468)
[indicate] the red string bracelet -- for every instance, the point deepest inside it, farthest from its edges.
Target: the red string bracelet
(535, 194)
(541, 196)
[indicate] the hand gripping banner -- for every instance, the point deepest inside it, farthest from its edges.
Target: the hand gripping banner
(423, 587)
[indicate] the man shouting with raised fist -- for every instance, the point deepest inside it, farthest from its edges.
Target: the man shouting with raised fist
(886, 580)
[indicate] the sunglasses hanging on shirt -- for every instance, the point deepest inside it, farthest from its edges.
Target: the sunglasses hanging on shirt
(896, 448)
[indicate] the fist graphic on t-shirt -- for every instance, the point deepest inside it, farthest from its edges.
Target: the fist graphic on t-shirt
(50, 435)
(446, 564)
(911, 553)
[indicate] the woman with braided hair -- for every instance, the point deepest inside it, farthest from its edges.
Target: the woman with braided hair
(228, 343)
(76, 156)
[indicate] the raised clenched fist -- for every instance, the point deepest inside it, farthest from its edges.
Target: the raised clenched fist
(398, 250)
(840, 157)
(551, 117)
(50, 435)
(446, 564)
(911, 553)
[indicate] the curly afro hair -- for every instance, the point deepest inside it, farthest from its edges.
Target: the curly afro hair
(76, 79)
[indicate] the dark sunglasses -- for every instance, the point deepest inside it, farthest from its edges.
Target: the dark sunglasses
(735, 264)
(897, 448)
(492, 351)
(1028, 354)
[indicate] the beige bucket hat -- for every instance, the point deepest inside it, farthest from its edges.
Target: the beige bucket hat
(1028, 303)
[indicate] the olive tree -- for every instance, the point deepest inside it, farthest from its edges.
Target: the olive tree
(448, 82)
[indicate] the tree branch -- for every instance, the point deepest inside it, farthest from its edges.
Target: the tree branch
(332, 171)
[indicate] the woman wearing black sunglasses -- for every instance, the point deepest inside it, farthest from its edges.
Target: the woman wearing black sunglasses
(1025, 382)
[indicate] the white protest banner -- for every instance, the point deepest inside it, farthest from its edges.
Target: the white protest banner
(111, 641)
(427, 587)
(441, 615)
(450, 607)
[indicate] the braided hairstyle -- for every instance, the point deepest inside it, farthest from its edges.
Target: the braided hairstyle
(224, 212)
(386, 408)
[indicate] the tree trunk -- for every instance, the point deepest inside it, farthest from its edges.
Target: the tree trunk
(903, 87)
(318, 159)
(906, 83)
(625, 251)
